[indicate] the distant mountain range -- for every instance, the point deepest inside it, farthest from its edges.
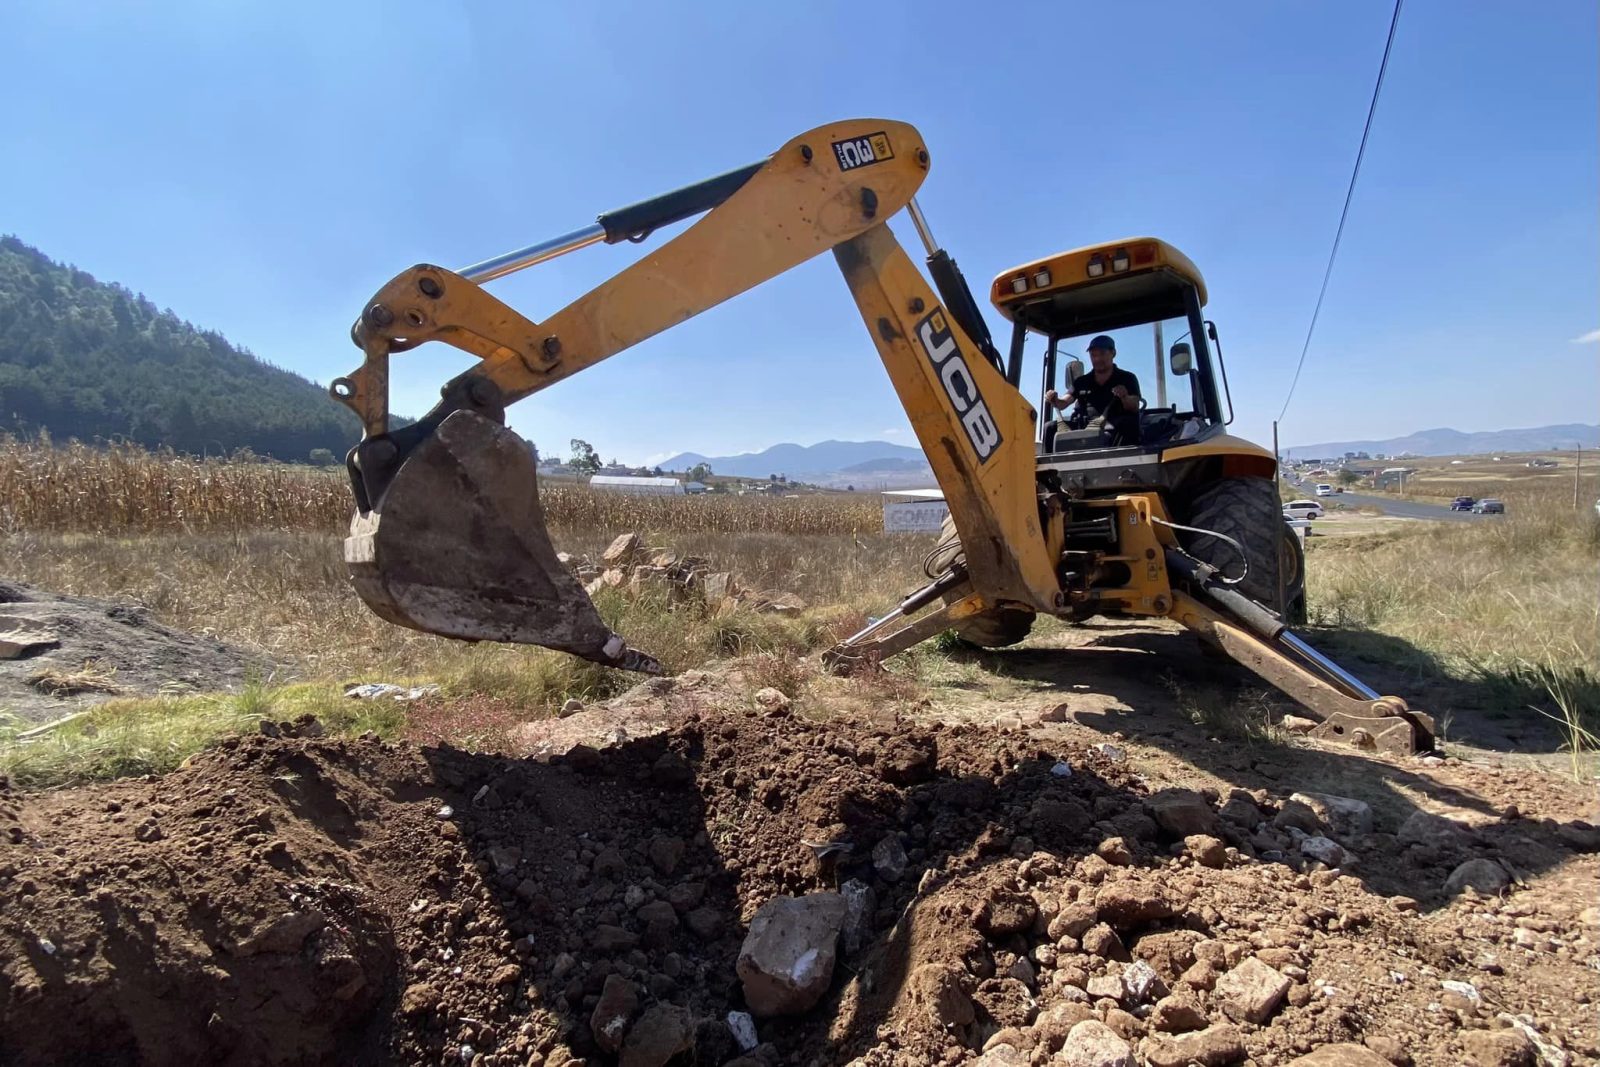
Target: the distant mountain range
(811, 462)
(1447, 442)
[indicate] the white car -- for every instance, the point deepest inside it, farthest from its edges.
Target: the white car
(1302, 509)
(1324, 489)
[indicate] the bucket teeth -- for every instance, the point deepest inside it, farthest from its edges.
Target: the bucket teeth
(457, 546)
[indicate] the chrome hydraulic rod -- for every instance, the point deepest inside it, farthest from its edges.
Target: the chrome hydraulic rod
(511, 262)
(631, 223)
(1329, 667)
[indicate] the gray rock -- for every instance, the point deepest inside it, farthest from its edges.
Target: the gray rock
(859, 904)
(623, 550)
(743, 1028)
(1023, 972)
(1324, 849)
(717, 587)
(619, 999)
(1345, 818)
(1181, 812)
(1425, 828)
(1106, 986)
(889, 858)
(1297, 815)
(608, 939)
(1141, 983)
(1094, 1044)
(705, 922)
(786, 962)
(660, 1034)
(1001, 1055)
(1483, 875)
(18, 642)
(1250, 992)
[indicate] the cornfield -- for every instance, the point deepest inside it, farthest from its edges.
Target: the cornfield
(125, 489)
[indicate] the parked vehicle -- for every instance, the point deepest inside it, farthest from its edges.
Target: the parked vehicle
(1302, 509)
(1324, 489)
(1488, 506)
(1462, 503)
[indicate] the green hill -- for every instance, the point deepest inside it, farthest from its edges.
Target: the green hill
(91, 360)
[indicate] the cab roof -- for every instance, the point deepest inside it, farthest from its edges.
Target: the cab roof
(1098, 287)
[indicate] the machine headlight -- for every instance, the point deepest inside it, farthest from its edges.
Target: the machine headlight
(1119, 261)
(1097, 266)
(1041, 279)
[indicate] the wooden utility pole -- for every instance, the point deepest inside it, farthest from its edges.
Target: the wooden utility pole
(1577, 469)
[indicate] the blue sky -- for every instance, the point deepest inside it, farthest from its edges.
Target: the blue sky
(262, 168)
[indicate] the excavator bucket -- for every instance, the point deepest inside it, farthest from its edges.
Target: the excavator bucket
(456, 545)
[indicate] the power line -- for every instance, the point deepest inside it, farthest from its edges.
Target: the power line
(1349, 193)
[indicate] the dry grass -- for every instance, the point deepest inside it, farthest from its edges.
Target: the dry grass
(250, 553)
(1508, 603)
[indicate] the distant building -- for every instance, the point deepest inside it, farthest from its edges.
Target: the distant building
(638, 486)
(914, 510)
(1392, 477)
(697, 487)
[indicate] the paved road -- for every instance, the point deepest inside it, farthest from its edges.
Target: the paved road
(1401, 509)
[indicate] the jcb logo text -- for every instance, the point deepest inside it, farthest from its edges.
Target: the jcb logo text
(940, 345)
(862, 151)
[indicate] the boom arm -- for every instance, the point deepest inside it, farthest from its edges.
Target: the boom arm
(418, 560)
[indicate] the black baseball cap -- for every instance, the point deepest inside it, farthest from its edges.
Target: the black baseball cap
(1103, 342)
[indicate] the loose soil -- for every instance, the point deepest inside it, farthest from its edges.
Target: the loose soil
(289, 898)
(105, 649)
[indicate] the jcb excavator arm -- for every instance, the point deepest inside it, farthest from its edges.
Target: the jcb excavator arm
(449, 536)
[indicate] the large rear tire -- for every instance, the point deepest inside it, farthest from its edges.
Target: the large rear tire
(995, 628)
(1248, 511)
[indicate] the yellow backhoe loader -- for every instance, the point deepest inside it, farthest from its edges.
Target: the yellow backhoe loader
(1051, 516)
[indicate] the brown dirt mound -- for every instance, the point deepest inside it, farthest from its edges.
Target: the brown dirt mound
(293, 899)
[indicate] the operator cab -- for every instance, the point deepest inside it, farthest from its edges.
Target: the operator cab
(1148, 297)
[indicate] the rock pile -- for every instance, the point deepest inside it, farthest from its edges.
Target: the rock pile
(628, 565)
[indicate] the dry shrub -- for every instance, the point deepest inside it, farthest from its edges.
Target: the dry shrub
(92, 677)
(785, 671)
